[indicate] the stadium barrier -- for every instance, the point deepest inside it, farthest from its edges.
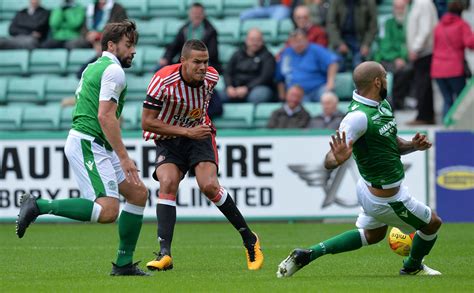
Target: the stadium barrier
(272, 175)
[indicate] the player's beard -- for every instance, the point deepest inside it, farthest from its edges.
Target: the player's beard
(383, 93)
(125, 62)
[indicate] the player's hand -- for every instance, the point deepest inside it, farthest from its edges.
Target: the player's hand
(131, 171)
(340, 149)
(421, 142)
(199, 132)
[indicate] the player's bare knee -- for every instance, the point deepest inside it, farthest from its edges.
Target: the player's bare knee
(168, 182)
(375, 235)
(209, 188)
(108, 215)
(140, 196)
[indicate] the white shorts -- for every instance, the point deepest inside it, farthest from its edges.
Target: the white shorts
(401, 210)
(97, 171)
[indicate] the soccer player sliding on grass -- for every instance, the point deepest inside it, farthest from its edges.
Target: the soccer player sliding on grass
(369, 133)
(97, 155)
(175, 117)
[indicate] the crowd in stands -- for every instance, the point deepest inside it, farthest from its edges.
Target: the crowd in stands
(417, 41)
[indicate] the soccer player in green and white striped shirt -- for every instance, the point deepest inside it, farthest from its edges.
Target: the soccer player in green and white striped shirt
(97, 155)
(369, 133)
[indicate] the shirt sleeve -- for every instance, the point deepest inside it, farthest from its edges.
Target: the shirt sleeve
(112, 83)
(354, 125)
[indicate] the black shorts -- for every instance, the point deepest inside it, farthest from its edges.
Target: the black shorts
(185, 153)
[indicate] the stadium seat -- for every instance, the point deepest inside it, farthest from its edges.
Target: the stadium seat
(344, 86)
(263, 112)
(136, 87)
(58, 88)
(285, 27)
(313, 108)
(171, 29)
(151, 32)
(167, 8)
(130, 116)
(275, 50)
(268, 26)
(26, 90)
(3, 90)
(48, 61)
(10, 117)
(235, 7)
(236, 116)
(4, 26)
(220, 86)
(51, 4)
(8, 8)
(151, 57)
(136, 8)
(77, 58)
(214, 8)
(225, 53)
(14, 62)
(389, 84)
(228, 30)
(66, 117)
(343, 106)
(41, 117)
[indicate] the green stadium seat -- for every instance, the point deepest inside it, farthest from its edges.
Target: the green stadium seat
(26, 90)
(214, 8)
(275, 50)
(151, 32)
(136, 8)
(51, 4)
(228, 30)
(77, 58)
(263, 112)
(8, 8)
(389, 84)
(220, 86)
(234, 7)
(136, 87)
(130, 116)
(313, 108)
(10, 117)
(41, 118)
(65, 121)
(343, 106)
(167, 8)
(344, 86)
(3, 90)
(268, 27)
(4, 26)
(14, 62)
(285, 27)
(48, 61)
(58, 88)
(171, 29)
(236, 116)
(225, 53)
(152, 55)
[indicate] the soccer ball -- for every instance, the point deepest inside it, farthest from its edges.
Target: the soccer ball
(399, 242)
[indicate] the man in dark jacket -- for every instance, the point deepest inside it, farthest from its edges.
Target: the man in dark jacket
(292, 114)
(249, 73)
(28, 29)
(198, 27)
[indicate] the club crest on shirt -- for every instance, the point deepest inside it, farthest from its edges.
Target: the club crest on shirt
(195, 113)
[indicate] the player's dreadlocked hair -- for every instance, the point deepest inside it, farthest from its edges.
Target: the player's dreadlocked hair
(116, 30)
(193, 44)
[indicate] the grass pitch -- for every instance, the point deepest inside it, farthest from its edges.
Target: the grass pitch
(209, 257)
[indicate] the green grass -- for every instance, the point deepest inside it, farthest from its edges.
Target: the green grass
(210, 258)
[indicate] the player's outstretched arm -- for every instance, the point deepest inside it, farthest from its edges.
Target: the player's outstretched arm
(340, 151)
(419, 142)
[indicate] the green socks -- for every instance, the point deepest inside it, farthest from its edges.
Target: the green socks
(346, 241)
(422, 244)
(129, 226)
(72, 208)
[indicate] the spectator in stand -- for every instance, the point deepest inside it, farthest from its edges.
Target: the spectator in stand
(393, 54)
(421, 21)
(318, 10)
(315, 33)
(66, 23)
(310, 66)
(352, 27)
(98, 14)
(276, 9)
(292, 114)
(28, 28)
(198, 27)
(452, 36)
(249, 73)
(331, 116)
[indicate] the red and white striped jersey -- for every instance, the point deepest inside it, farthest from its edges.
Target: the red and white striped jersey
(181, 104)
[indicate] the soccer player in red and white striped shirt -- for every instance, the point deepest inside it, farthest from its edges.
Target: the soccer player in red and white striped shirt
(175, 117)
